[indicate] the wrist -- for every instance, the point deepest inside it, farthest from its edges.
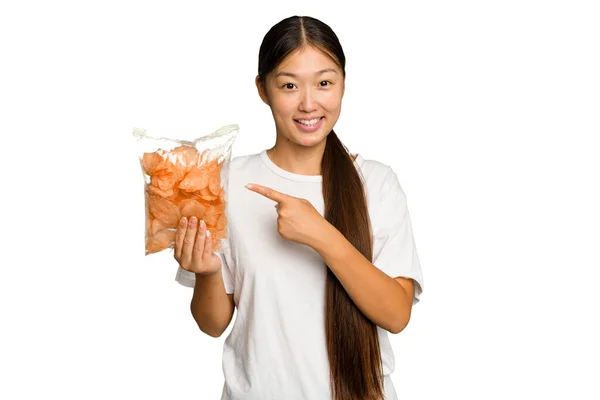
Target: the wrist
(325, 238)
(207, 273)
(204, 278)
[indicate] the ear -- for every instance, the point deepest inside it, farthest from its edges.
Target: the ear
(262, 92)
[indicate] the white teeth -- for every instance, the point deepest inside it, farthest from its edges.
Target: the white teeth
(309, 122)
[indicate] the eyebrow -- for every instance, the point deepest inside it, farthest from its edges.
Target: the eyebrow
(321, 72)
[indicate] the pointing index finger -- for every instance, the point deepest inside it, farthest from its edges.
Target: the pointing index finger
(267, 192)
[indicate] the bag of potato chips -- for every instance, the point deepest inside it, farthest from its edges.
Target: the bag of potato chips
(185, 178)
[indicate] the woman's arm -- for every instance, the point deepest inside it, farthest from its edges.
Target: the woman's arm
(384, 300)
(212, 308)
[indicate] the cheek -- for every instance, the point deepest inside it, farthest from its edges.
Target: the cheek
(332, 101)
(282, 106)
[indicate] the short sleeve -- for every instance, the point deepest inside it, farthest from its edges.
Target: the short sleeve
(394, 250)
(187, 278)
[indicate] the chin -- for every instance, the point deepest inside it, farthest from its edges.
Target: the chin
(308, 141)
(311, 139)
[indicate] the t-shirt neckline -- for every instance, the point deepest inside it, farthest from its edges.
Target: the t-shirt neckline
(296, 177)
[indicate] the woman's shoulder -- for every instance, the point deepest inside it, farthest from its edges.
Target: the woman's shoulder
(373, 170)
(380, 179)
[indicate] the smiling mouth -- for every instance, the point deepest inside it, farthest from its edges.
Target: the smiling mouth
(309, 122)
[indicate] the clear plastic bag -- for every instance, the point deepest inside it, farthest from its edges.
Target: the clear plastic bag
(185, 178)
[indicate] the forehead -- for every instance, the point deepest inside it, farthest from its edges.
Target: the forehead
(305, 61)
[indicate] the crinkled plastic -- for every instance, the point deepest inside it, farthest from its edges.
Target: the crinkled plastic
(185, 178)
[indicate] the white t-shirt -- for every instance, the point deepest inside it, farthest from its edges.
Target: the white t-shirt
(276, 349)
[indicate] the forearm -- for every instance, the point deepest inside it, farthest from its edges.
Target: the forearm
(210, 306)
(380, 297)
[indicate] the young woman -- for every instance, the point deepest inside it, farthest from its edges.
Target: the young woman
(320, 259)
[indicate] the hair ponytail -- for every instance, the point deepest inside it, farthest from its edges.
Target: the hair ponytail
(352, 340)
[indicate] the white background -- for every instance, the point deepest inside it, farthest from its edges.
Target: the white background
(487, 111)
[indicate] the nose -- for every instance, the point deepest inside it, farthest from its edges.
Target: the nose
(308, 102)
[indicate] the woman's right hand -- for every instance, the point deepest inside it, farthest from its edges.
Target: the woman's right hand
(193, 249)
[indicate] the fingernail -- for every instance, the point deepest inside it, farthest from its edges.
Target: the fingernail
(193, 221)
(202, 224)
(248, 186)
(182, 222)
(207, 233)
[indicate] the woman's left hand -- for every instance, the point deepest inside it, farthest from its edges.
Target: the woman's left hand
(297, 220)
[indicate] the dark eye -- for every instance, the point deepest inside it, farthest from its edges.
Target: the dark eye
(289, 86)
(324, 83)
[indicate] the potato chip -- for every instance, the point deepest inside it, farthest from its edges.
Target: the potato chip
(157, 225)
(185, 156)
(161, 240)
(207, 195)
(164, 210)
(192, 207)
(196, 179)
(149, 160)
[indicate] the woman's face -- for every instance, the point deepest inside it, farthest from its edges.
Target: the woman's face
(305, 95)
